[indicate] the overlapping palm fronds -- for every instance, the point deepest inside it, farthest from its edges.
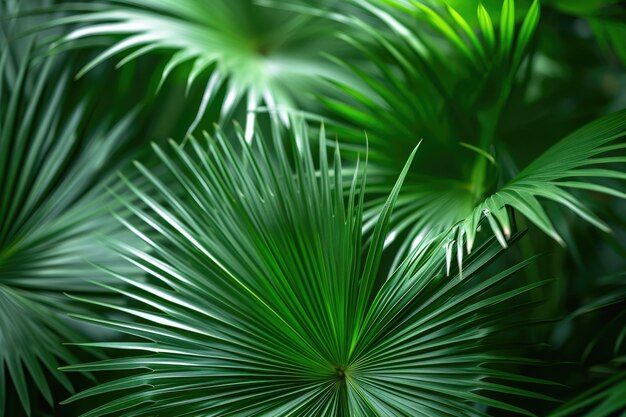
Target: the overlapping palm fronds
(413, 94)
(264, 302)
(267, 271)
(412, 91)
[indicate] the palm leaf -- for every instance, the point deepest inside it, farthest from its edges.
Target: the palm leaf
(51, 205)
(263, 300)
(411, 90)
(254, 55)
(411, 93)
(594, 152)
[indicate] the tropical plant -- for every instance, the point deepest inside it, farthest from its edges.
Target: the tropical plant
(292, 268)
(413, 94)
(52, 174)
(254, 55)
(247, 314)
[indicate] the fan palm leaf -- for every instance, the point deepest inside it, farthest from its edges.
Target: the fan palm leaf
(262, 299)
(51, 204)
(254, 55)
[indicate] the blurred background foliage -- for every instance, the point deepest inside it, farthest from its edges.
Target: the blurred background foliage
(118, 75)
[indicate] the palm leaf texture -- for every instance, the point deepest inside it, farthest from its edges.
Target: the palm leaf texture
(264, 270)
(263, 301)
(254, 55)
(51, 194)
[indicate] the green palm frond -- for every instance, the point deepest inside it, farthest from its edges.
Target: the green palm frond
(51, 204)
(263, 301)
(411, 93)
(254, 55)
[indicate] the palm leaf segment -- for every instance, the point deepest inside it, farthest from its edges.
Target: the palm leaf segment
(260, 301)
(605, 399)
(49, 211)
(417, 97)
(253, 54)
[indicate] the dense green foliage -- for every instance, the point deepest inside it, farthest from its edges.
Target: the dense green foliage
(369, 208)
